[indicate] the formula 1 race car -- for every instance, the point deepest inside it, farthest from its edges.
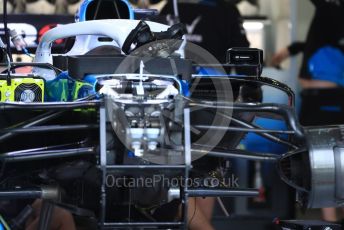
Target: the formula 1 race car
(117, 132)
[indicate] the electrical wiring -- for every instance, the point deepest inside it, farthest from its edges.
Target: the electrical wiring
(8, 60)
(8, 45)
(27, 52)
(7, 36)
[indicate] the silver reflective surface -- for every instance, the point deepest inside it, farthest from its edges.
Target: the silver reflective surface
(326, 165)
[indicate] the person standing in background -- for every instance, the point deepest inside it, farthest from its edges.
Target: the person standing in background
(326, 31)
(215, 25)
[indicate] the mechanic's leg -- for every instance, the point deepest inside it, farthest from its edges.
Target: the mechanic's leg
(329, 214)
(196, 218)
(61, 218)
(207, 206)
(342, 212)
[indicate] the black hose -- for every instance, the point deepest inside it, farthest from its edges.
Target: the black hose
(32, 122)
(283, 110)
(7, 40)
(7, 34)
(20, 194)
(47, 154)
(51, 147)
(50, 128)
(33, 64)
(19, 221)
(239, 129)
(216, 192)
(268, 136)
(51, 105)
(237, 153)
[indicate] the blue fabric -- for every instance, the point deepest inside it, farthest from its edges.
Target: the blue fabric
(58, 89)
(185, 88)
(256, 143)
(214, 72)
(208, 71)
(65, 88)
(91, 79)
(327, 64)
